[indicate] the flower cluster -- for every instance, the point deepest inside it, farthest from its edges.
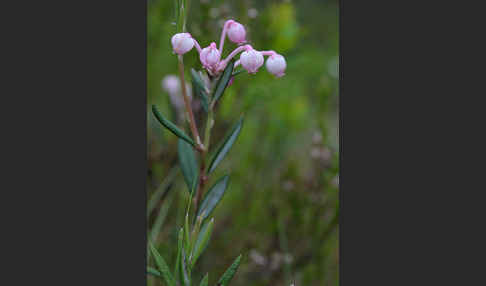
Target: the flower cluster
(210, 56)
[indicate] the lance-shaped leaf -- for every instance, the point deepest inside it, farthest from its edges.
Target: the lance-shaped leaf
(223, 82)
(185, 273)
(213, 197)
(230, 272)
(200, 89)
(177, 267)
(171, 126)
(154, 272)
(228, 141)
(202, 241)
(188, 163)
(204, 281)
(162, 266)
(187, 235)
(159, 221)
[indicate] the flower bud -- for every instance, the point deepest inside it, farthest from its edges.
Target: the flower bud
(276, 65)
(236, 32)
(171, 84)
(210, 56)
(182, 43)
(251, 60)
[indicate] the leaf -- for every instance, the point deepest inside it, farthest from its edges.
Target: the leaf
(213, 197)
(188, 163)
(238, 72)
(153, 272)
(161, 190)
(177, 268)
(162, 266)
(204, 281)
(202, 241)
(187, 237)
(200, 89)
(223, 82)
(230, 272)
(185, 274)
(159, 221)
(171, 126)
(223, 149)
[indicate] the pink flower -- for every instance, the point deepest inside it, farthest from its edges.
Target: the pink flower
(236, 32)
(276, 65)
(251, 60)
(182, 43)
(210, 56)
(171, 84)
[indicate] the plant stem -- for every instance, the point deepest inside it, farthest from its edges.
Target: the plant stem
(202, 170)
(190, 115)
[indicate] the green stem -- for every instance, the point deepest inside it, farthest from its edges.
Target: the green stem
(202, 170)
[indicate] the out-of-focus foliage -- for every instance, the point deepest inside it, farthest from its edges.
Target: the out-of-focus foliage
(281, 207)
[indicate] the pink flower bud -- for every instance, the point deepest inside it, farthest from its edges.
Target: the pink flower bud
(182, 43)
(210, 56)
(251, 60)
(236, 32)
(171, 84)
(276, 65)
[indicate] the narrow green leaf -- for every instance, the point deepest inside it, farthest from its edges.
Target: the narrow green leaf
(162, 266)
(213, 197)
(238, 72)
(188, 163)
(227, 142)
(185, 274)
(202, 241)
(177, 267)
(204, 281)
(187, 237)
(199, 89)
(153, 272)
(159, 221)
(171, 126)
(223, 82)
(230, 272)
(162, 190)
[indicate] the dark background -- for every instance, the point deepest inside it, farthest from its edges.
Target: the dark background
(73, 182)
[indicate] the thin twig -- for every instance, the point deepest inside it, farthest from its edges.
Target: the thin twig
(192, 121)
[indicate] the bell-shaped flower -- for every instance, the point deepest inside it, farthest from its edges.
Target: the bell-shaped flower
(182, 43)
(251, 60)
(210, 57)
(276, 65)
(236, 32)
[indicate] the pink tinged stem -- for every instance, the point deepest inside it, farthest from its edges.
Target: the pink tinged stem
(268, 53)
(224, 62)
(223, 35)
(198, 47)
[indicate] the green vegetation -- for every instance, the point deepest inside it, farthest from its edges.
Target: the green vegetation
(280, 208)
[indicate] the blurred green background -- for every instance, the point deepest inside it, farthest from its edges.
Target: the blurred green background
(281, 208)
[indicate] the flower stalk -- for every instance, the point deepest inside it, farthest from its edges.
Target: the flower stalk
(187, 102)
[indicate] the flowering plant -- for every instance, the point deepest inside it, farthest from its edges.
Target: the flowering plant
(195, 164)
